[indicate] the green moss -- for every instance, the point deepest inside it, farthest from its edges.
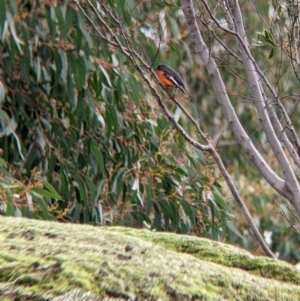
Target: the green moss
(220, 253)
(52, 259)
(7, 257)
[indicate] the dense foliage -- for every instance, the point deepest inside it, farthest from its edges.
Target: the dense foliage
(83, 141)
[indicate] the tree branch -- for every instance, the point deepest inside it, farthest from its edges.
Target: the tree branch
(241, 136)
(251, 69)
(280, 130)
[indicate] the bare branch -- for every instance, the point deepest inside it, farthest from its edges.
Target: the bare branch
(252, 71)
(280, 131)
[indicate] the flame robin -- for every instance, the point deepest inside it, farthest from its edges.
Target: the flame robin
(170, 78)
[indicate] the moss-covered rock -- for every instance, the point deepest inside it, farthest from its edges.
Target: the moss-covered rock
(52, 261)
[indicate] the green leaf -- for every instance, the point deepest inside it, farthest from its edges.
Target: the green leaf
(160, 4)
(111, 121)
(2, 92)
(60, 17)
(4, 171)
(51, 189)
(117, 178)
(80, 72)
(2, 15)
(134, 89)
(166, 209)
(64, 65)
(9, 207)
(3, 163)
(149, 192)
(45, 193)
(86, 35)
(157, 218)
(174, 27)
(58, 67)
(233, 229)
(64, 187)
(272, 53)
(4, 118)
(71, 91)
(51, 21)
(90, 99)
(268, 37)
(17, 212)
(112, 199)
(91, 189)
(37, 69)
(79, 183)
(176, 218)
(75, 213)
(43, 206)
(218, 197)
(99, 157)
(105, 75)
(70, 18)
(188, 210)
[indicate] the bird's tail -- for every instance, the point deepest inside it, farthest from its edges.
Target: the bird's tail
(186, 93)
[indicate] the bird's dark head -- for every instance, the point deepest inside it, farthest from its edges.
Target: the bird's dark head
(159, 67)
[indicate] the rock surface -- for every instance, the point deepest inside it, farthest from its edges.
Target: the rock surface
(52, 261)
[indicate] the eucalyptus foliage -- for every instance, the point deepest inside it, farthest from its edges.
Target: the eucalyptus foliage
(83, 141)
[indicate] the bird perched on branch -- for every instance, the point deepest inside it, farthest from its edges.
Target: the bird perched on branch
(170, 78)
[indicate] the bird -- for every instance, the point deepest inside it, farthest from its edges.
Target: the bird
(170, 78)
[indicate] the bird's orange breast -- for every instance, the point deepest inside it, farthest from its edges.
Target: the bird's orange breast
(164, 80)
